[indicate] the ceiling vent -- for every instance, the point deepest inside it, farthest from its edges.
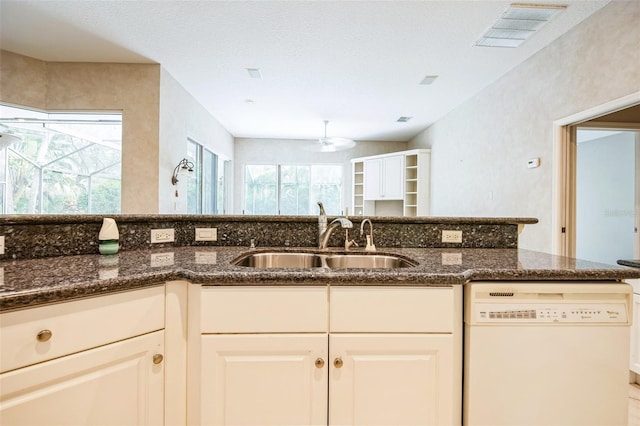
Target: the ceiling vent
(518, 23)
(428, 80)
(254, 73)
(403, 119)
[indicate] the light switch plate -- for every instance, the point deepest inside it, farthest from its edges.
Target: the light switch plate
(206, 234)
(1, 244)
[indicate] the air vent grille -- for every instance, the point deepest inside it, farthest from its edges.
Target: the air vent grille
(518, 23)
(501, 294)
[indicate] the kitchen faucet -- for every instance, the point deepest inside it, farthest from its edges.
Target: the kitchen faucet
(370, 246)
(342, 222)
(322, 220)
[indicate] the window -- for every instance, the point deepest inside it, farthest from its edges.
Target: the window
(206, 187)
(62, 163)
(292, 189)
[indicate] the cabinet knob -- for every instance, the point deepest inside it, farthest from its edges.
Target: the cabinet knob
(157, 358)
(44, 335)
(319, 363)
(337, 363)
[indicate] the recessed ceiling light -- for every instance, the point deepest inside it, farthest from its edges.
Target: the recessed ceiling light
(249, 101)
(519, 22)
(403, 119)
(428, 80)
(254, 72)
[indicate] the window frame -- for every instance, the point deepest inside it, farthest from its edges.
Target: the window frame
(278, 185)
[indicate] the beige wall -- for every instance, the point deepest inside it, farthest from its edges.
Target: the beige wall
(181, 118)
(131, 88)
(289, 151)
(158, 115)
(480, 149)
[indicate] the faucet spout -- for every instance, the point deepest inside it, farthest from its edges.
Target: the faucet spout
(341, 222)
(370, 246)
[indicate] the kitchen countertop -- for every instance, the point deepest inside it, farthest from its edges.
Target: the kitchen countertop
(32, 282)
(634, 263)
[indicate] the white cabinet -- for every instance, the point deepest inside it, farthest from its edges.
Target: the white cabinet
(255, 365)
(117, 384)
(392, 379)
(396, 184)
(396, 356)
(383, 178)
(91, 361)
(264, 379)
(361, 355)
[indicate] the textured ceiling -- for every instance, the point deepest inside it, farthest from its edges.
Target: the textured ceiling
(357, 64)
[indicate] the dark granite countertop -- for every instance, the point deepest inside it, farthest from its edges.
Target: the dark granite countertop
(634, 263)
(32, 282)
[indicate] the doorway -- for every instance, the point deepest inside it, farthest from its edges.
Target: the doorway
(607, 175)
(597, 183)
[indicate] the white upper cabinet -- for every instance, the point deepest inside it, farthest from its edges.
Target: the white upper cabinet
(395, 184)
(383, 178)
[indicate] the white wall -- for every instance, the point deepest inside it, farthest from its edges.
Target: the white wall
(182, 117)
(605, 198)
(480, 149)
(289, 151)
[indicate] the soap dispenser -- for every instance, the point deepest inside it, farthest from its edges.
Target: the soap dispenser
(108, 237)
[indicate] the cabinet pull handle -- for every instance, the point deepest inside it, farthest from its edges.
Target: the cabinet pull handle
(337, 363)
(319, 363)
(157, 358)
(44, 335)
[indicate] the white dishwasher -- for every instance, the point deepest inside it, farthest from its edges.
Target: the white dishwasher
(546, 353)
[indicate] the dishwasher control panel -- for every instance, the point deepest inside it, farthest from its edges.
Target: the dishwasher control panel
(566, 313)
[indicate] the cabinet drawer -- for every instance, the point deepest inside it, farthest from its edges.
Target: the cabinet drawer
(78, 325)
(392, 309)
(264, 309)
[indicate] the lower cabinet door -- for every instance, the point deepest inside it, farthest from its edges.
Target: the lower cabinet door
(117, 384)
(266, 379)
(391, 379)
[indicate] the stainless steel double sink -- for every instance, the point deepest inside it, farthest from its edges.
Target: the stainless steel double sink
(302, 260)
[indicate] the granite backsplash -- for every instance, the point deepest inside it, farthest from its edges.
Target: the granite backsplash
(28, 237)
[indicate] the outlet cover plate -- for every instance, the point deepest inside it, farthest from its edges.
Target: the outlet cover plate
(452, 237)
(162, 235)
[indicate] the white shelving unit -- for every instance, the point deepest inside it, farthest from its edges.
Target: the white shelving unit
(414, 179)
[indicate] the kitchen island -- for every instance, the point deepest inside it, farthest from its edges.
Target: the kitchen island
(179, 331)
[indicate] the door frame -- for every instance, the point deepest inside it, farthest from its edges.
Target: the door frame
(563, 220)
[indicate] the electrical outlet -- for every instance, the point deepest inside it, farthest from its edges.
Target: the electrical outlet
(1, 244)
(161, 259)
(452, 236)
(206, 234)
(162, 235)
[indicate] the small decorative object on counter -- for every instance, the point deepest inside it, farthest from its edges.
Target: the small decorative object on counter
(108, 237)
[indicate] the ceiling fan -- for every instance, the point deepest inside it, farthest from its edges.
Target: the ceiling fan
(331, 144)
(7, 139)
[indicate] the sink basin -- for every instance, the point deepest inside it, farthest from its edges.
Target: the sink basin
(294, 260)
(281, 260)
(367, 261)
